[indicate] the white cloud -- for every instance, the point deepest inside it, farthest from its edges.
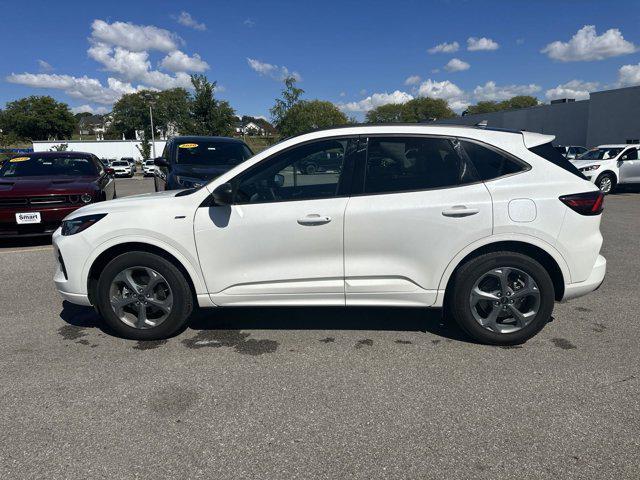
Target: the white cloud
(476, 44)
(135, 38)
(587, 45)
(491, 92)
(343, 94)
(249, 23)
(187, 20)
(412, 80)
(273, 71)
(456, 65)
(44, 66)
(629, 75)
(520, 41)
(181, 62)
(84, 88)
(136, 67)
(89, 109)
(445, 48)
(576, 89)
(363, 91)
(376, 100)
(445, 90)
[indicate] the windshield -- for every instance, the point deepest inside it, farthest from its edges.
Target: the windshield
(120, 164)
(212, 153)
(600, 154)
(34, 165)
(149, 162)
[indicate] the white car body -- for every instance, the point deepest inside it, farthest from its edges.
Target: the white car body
(384, 249)
(624, 166)
(121, 168)
(148, 168)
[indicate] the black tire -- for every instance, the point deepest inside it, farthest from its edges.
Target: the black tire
(469, 273)
(182, 296)
(603, 182)
(310, 168)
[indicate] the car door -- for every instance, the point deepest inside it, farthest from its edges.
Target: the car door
(629, 166)
(281, 241)
(160, 172)
(420, 203)
(105, 182)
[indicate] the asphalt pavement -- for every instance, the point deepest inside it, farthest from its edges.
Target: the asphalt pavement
(321, 392)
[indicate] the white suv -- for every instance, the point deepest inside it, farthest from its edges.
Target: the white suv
(493, 225)
(610, 165)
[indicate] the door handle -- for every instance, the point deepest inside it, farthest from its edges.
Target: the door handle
(460, 211)
(314, 219)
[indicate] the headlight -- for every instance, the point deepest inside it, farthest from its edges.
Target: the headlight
(86, 198)
(590, 168)
(77, 225)
(188, 182)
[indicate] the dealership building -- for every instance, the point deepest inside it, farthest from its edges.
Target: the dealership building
(610, 116)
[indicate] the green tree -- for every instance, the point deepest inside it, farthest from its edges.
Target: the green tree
(520, 101)
(208, 115)
(417, 110)
(144, 148)
(290, 97)
(389, 113)
(423, 109)
(37, 118)
(307, 115)
(172, 110)
(131, 113)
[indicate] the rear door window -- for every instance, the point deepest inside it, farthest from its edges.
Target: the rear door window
(400, 164)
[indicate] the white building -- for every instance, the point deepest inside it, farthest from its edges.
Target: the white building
(106, 149)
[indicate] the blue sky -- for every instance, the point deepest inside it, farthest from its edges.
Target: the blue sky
(355, 54)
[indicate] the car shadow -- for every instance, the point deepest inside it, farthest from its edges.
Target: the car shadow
(297, 318)
(19, 242)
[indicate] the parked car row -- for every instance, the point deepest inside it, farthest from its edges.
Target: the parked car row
(423, 216)
(610, 165)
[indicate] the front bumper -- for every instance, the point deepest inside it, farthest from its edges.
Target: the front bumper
(593, 282)
(70, 253)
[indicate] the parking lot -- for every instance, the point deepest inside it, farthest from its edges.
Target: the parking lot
(320, 392)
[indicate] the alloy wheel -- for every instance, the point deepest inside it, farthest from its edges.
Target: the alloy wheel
(141, 297)
(605, 184)
(505, 300)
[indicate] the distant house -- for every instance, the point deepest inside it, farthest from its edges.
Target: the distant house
(253, 126)
(93, 125)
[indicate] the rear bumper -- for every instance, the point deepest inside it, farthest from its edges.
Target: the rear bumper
(593, 282)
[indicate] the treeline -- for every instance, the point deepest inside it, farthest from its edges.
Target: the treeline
(199, 112)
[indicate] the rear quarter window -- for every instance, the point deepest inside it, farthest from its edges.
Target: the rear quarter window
(490, 163)
(549, 153)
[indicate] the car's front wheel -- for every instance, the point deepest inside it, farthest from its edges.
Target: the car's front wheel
(502, 298)
(143, 296)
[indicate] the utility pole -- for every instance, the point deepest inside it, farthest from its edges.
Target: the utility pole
(153, 135)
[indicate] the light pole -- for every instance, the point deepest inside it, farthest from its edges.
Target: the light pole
(153, 136)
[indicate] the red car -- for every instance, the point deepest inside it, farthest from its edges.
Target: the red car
(38, 190)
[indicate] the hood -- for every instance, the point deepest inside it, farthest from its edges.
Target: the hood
(134, 203)
(202, 172)
(22, 186)
(588, 163)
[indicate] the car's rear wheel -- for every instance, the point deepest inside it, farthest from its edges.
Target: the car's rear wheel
(143, 296)
(606, 183)
(310, 168)
(502, 298)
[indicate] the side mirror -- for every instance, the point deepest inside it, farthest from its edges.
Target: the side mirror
(223, 194)
(161, 162)
(109, 171)
(278, 180)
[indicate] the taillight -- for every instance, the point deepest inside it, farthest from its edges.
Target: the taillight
(589, 203)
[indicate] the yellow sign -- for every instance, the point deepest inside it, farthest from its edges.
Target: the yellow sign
(19, 159)
(188, 145)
